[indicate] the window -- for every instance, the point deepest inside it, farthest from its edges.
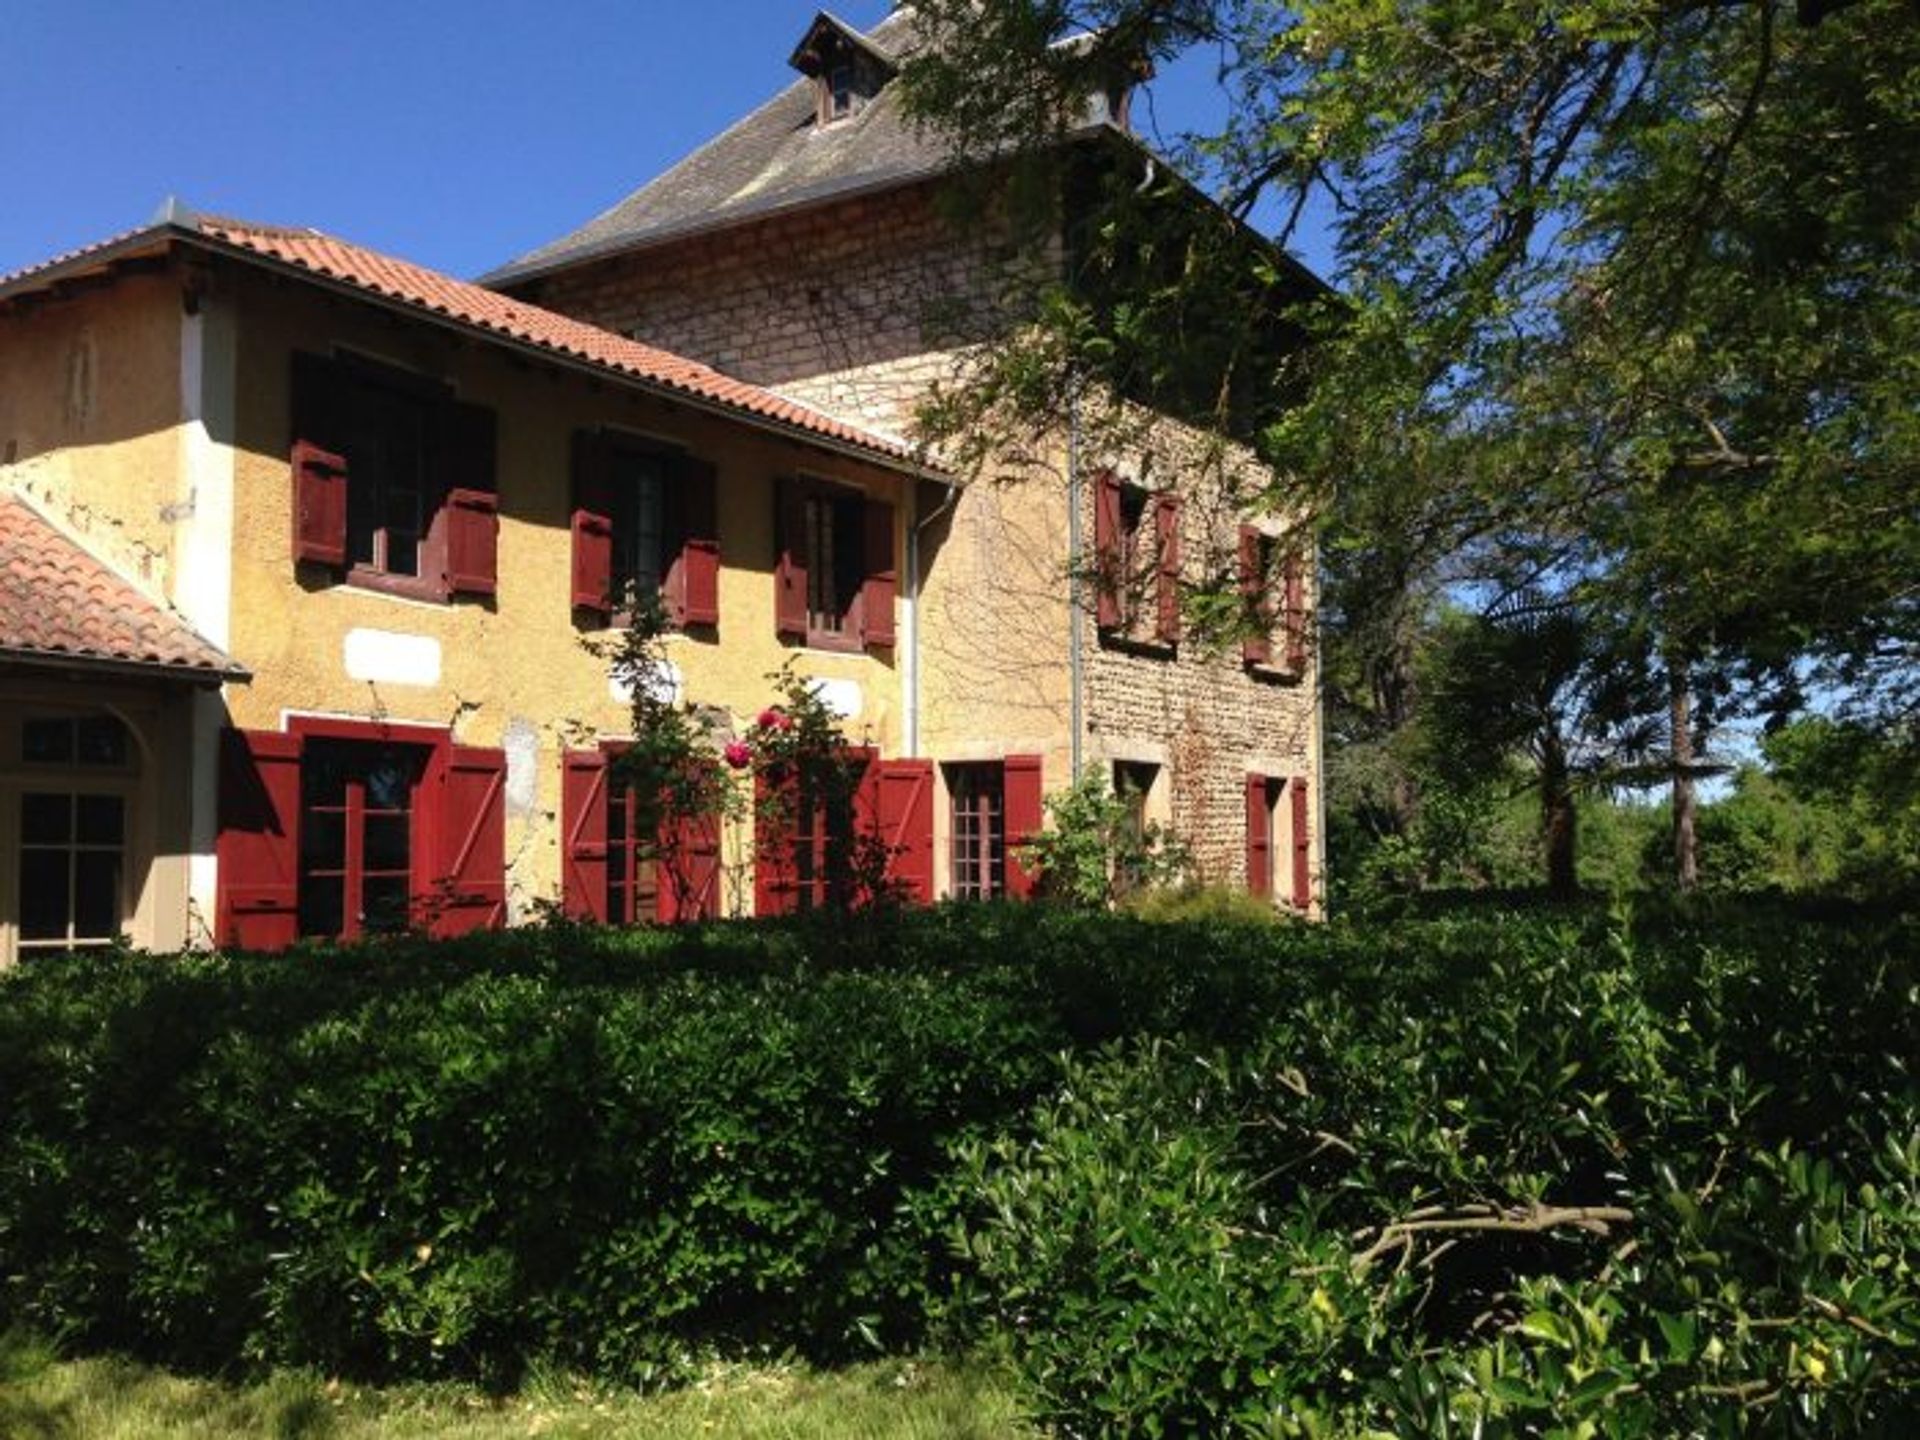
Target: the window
(612, 871)
(357, 837)
(1279, 839)
(1137, 562)
(73, 740)
(1133, 783)
(72, 868)
(1267, 564)
(393, 480)
(979, 859)
(833, 576)
(632, 892)
(842, 98)
(644, 524)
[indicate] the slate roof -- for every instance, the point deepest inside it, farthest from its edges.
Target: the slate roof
(58, 603)
(775, 159)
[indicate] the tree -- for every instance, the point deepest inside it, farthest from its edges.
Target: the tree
(1632, 311)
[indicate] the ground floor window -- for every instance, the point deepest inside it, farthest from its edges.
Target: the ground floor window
(357, 841)
(633, 892)
(977, 793)
(72, 869)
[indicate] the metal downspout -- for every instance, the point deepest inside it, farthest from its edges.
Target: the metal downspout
(919, 523)
(1076, 621)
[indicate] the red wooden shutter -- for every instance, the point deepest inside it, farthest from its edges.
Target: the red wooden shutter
(469, 888)
(1256, 647)
(1023, 814)
(693, 572)
(1259, 838)
(1166, 527)
(689, 870)
(592, 528)
(319, 505)
(1108, 563)
(906, 826)
(775, 885)
(1296, 613)
(1302, 846)
(583, 835)
(472, 519)
(257, 905)
(878, 589)
(790, 566)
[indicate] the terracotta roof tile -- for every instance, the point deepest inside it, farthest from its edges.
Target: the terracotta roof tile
(488, 310)
(58, 602)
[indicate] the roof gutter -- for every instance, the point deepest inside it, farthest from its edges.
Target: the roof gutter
(195, 675)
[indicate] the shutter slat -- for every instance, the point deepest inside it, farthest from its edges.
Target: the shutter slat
(257, 848)
(879, 587)
(1295, 602)
(689, 882)
(790, 567)
(472, 519)
(1302, 846)
(583, 835)
(1166, 519)
(693, 577)
(1023, 814)
(1109, 563)
(775, 884)
(319, 505)
(1256, 646)
(592, 528)
(469, 886)
(906, 820)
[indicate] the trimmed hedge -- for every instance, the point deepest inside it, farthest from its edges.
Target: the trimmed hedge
(1144, 1155)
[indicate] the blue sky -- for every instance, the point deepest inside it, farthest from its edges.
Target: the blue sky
(455, 135)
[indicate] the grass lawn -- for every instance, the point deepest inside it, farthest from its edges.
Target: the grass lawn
(44, 1397)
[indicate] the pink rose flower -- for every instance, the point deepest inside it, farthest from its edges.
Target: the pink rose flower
(738, 754)
(774, 718)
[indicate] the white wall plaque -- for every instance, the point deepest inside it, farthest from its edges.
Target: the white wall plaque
(390, 658)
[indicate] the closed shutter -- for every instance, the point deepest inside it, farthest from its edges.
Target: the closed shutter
(1302, 846)
(470, 519)
(257, 906)
(1295, 592)
(1023, 815)
(878, 589)
(1109, 562)
(693, 571)
(790, 563)
(1256, 647)
(689, 870)
(1166, 529)
(583, 835)
(469, 828)
(775, 885)
(1259, 838)
(319, 505)
(592, 528)
(905, 805)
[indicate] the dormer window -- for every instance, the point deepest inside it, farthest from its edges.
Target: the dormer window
(846, 69)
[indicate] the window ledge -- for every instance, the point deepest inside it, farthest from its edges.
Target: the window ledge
(1144, 646)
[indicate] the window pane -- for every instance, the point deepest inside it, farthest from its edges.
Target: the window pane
(389, 782)
(43, 894)
(403, 532)
(387, 842)
(323, 840)
(96, 900)
(102, 740)
(323, 775)
(102, 820)
(384, 904)
(616, 896)
(46, 819)
(47, 742)
(321, 910)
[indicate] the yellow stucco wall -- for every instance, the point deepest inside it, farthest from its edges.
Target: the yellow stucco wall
(89, 409)
(516, 668)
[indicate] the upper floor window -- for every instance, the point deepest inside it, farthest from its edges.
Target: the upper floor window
(846, 69)
(834, 573)
(644, 524)
(89, 740)
(1136, 561)
(393, 479)
(1273, 598)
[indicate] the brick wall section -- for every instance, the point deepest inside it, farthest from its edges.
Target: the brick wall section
(857, 307)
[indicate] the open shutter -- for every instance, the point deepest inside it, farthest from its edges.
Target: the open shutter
(583, 835)
(1166, 534)
(1295, 600)
(775, 885)
(693, 571)
(1256, 646)
(319, 505)
(689, 870)
(906, 826)
(592, 528)
(790, 563)
(878, 589)
(470, 518)
(1259, 838)
(258, 846)
(1023, 815)
(1108, 561)
(1302, 845)
(469, 886)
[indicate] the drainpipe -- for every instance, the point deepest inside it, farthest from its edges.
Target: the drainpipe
(1076, 621)
(919, 523)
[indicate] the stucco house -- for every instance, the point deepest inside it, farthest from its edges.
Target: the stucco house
(309, 557)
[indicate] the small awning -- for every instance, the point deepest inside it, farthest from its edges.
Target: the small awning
(59, 606)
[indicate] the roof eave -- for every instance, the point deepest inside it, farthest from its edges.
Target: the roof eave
(200, 676)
